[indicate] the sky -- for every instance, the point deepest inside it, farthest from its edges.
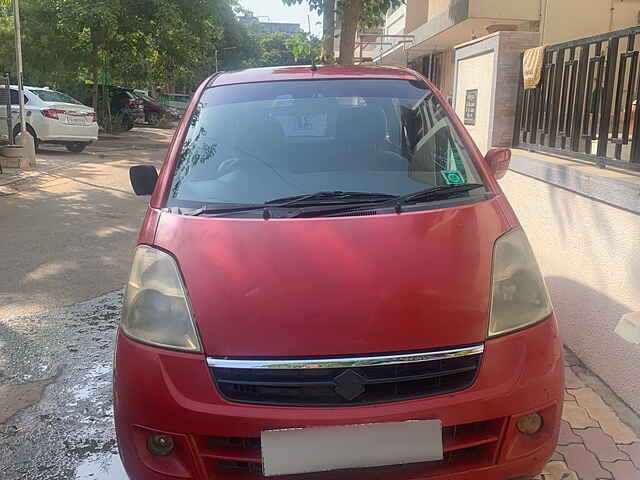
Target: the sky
(279, 12)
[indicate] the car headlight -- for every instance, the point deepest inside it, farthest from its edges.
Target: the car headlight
(156, 309)
(519, 296)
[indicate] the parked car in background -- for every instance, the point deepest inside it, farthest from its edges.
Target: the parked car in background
(126, 108)
(329, 277)
(178, 101)
(52, 117)
(154, 111)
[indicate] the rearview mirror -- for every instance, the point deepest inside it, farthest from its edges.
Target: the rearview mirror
(143, 179)
(498, 160)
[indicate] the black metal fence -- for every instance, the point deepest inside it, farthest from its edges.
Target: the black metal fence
(585, 105)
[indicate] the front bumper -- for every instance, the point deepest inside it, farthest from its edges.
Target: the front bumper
(160, 391)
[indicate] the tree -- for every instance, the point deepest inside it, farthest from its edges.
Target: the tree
(351, 10)
(353, 13)
(328, 31)
(136, 43)
(287, 49)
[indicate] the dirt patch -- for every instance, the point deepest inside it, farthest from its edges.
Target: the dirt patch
(14, 398)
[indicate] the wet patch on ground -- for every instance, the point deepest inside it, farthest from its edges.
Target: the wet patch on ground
(14, 398)
(55, 375)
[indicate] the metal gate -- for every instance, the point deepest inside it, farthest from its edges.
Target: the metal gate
(585, 103)
(6, 120)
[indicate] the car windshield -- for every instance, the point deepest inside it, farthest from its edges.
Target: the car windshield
(252, 143)
(53, 96)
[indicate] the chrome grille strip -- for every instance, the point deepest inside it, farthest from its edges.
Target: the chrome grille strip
(348, 362)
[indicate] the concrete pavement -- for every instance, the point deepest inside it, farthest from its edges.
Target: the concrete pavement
(68, 231)
(599, 436)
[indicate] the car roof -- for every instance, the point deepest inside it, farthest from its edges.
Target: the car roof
(328, 72)
(30, 88)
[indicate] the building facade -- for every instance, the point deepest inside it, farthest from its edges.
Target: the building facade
(434, 28)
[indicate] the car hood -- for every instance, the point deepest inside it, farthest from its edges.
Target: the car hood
(337, 286)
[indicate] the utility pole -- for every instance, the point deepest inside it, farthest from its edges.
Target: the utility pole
(23, 138)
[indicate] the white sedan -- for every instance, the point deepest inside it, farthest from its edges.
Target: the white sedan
(52, 117)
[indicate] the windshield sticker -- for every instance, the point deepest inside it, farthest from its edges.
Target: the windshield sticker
(453, 177)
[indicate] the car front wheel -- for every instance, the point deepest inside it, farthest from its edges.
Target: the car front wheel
(154, 119)
(76, 147)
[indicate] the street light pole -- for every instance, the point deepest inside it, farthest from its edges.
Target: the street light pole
(16, 19)
(25, 139)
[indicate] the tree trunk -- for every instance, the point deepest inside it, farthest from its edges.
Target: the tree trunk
(328, 32)
(350, 16)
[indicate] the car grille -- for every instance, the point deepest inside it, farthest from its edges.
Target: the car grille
(323, 384)
(469, 446)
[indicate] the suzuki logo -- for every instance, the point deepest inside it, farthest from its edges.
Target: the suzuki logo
(349, 385)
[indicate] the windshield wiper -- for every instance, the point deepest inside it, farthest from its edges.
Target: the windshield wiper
(311, 199)
(435, 193)
(334, 200)
(224, 208)
(335, 197)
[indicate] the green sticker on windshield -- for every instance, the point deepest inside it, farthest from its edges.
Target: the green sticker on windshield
(453, 177)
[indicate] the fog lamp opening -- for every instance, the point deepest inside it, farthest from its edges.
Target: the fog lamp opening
(160, 445)
(530, 424)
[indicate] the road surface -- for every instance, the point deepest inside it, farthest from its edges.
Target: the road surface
(67, 240)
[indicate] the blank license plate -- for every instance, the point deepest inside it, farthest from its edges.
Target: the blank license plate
(321, 449)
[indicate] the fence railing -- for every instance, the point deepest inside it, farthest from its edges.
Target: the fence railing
(587, 104)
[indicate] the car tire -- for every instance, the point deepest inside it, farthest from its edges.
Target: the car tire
(154, 119)
(36, 141)
(76, 147)
(128, 123)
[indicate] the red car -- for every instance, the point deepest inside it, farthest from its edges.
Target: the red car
(330, 284)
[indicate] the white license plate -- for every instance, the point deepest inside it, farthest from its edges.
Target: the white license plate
(76, 120)
(321, 449)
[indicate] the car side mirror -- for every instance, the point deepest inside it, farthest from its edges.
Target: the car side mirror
(498, 160)
(143, 179)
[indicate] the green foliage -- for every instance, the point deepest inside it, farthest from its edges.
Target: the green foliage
(137, 43)
(286, 49)
(76, 45)
(372, 14)
(374, 11)
(7, 52)
(317, 5)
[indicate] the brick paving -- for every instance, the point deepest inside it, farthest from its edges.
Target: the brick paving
(594, 444)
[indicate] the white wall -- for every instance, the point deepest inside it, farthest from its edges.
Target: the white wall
(564, 20)
(590, 255)
(395, 22)
(476, 73)
(506, 9)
